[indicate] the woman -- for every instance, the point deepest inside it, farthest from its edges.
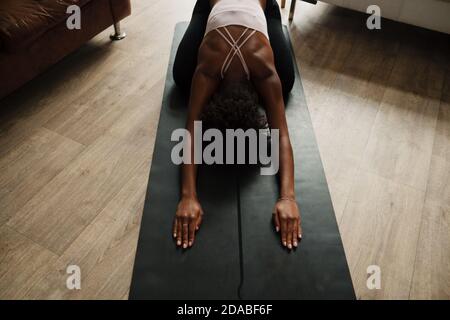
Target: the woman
(233, 48)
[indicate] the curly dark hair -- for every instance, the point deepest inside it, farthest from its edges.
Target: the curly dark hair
(235, 106)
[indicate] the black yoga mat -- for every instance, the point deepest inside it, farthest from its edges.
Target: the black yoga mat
(237, 254)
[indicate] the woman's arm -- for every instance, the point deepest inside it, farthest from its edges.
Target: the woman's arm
(189, 212)
(203, 87)
(286, 212)
(270, 91)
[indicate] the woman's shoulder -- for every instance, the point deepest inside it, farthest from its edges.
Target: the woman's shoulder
(209, 56)
(260, 60)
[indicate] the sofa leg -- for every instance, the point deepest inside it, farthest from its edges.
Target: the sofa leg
(283, 4)
(118, 33)
(291, 12)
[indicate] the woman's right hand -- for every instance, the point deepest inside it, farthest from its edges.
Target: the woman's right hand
(187, 221)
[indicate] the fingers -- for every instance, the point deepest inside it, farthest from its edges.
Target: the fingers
(284, 232)
(287, 219)
(290, 232)
(276, 221)
(179, 231)
(174, 229)
(184, 228)
(290, 228)
(300, 231)
(295, 234)
(192, 228)
(199, 221)
(185, 232)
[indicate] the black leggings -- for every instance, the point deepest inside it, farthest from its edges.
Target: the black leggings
(186, 58)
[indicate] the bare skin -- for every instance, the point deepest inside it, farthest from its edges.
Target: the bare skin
(206, 80)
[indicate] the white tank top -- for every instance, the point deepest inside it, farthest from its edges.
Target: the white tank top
(246, 13)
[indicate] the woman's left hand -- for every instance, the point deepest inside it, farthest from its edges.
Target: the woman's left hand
(287, 220)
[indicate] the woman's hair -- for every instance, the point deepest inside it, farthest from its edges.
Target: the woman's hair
(235, 106)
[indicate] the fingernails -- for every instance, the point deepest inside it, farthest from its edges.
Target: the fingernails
(284, 243)
(295, 244)
(278, 229)
(289, 246)
(174, 235)
(184, 245)
(190, 243)
(179, 243)
(300, 236)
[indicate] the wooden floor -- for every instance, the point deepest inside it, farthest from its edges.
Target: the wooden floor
(76, 147)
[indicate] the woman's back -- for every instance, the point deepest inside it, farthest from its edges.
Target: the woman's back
(258, 50)
(236, 31)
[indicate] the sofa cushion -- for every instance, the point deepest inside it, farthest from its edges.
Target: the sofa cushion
(23, 21)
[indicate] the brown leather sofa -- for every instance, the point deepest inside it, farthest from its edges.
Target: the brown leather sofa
(34, 34)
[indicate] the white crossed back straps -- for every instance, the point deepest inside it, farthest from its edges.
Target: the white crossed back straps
(235, 50)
